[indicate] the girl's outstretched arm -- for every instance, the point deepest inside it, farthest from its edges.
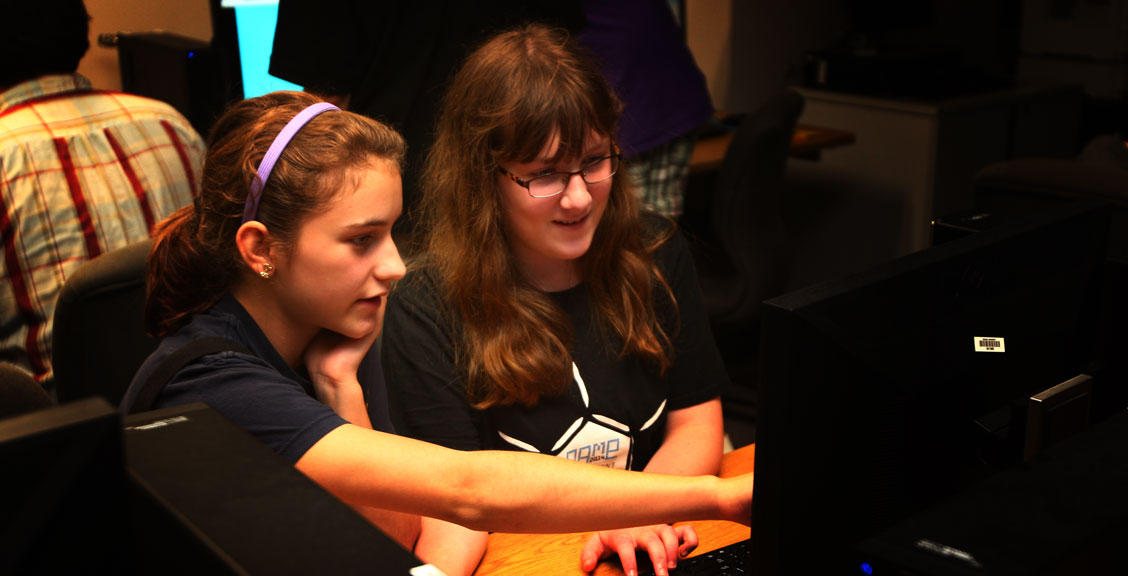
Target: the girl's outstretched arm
(510, 491)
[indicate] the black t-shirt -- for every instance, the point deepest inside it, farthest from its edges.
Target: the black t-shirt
(614, 413)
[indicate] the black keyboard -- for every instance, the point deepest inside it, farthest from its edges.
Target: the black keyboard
(731, 559)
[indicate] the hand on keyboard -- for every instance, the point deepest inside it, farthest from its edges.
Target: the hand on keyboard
(727, 560)
(661, 542)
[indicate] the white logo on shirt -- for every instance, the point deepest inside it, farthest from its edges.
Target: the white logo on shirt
(599, 440)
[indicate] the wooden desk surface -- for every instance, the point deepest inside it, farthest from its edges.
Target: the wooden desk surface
(807, 142)
(559, 554)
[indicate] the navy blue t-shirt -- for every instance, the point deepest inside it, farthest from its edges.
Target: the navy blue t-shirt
(260, 392)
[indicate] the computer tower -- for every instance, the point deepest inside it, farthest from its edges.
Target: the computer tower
(182, 71)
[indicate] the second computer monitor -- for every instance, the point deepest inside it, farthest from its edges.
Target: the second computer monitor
(884, 392)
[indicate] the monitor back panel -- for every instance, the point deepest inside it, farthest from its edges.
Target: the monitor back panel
(62, 491)
(210, 498)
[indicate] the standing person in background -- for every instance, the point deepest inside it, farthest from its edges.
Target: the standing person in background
(82, 171)
(547, 315)
(288, 254)
(642, 51)
(391, 60)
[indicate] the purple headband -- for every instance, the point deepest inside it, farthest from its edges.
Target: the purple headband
(275, 150)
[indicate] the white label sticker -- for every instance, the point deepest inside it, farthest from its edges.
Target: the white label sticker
(159, 423)
(990, 344)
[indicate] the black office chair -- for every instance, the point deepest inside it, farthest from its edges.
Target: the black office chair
(1025, 186)
(19, 392)
(747, 261)
(746, 216)
(99, 336)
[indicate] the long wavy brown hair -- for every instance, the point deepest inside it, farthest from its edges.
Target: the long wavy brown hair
(510, 96)
(194, 259)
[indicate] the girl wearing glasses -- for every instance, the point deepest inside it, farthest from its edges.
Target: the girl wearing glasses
(544, 313)
(287, 255)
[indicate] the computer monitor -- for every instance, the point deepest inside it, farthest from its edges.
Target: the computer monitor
(208, 498)
(886, 391)
(243, 36)
(62, 491)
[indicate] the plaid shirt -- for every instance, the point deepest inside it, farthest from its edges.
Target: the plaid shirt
(82, 172)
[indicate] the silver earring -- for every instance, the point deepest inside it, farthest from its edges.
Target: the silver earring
(266, 270)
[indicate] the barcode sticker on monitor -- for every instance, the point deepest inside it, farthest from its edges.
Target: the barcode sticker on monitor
(989, 344)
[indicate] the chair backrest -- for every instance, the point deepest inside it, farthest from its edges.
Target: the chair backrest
(19, 392)
(747, 216)
(99, 332)
(1026, 185)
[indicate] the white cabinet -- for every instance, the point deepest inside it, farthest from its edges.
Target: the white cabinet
(920, 157)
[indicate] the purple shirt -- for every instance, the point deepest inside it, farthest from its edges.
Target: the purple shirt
(647, 62)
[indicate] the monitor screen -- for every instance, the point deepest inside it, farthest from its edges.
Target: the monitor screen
(883, 392)
(244, 37)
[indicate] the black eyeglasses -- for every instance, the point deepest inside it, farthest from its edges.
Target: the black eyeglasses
(553, 183)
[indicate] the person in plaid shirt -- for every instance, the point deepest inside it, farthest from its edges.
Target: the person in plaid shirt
(82, 171)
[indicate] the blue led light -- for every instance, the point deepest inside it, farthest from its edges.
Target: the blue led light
(191, 55)
(866, 568)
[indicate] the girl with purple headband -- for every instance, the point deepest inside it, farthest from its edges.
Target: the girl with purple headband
(287, 255)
